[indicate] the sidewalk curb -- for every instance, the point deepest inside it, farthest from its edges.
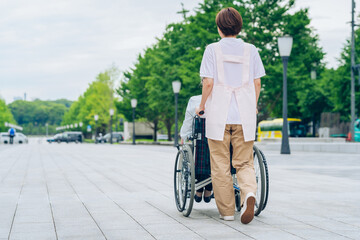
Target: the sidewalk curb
(149, 143)
(352, 148)
(326, 147)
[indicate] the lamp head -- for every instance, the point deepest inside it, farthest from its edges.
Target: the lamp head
(176, 86)
(111, 112)
(285, 45)
(133, 103)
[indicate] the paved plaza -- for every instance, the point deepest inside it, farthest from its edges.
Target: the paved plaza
(88, 191)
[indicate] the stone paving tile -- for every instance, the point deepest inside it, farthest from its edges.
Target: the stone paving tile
(128, 235)
(315, 234)
(77, 230)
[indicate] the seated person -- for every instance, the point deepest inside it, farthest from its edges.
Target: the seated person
(202, 158)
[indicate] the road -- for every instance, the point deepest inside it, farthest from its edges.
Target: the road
(87, 191)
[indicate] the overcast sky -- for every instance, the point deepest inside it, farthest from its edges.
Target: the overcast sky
(54, 49)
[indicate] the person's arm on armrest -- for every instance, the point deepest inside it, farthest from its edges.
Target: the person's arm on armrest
(207, 87)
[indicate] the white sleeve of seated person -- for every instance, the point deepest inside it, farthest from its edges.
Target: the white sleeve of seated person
(186, 128)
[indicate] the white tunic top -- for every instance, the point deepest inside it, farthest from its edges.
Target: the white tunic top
(232, 100)
(233, 71)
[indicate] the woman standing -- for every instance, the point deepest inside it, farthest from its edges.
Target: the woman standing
(231, 70)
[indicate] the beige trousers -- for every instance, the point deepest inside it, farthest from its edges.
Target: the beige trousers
(242, 161)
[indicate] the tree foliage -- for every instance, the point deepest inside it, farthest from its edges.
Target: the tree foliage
(336, 82)
(33, 115)
(98, 99)
(5, 116)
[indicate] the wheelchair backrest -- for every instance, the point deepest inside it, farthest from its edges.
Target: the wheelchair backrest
(198, 128)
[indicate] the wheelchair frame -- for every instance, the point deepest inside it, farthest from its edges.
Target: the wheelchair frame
(185, 185)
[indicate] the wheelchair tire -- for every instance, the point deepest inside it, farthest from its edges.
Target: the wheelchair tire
(260, 180)
(267, 179)
(179, 201)
(190, 180)
(184, 180)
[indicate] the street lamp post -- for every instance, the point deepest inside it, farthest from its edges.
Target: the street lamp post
(133, 105)
(285, 45)
(176, 88)
(96, 117)
(353, 66)
(111, 122)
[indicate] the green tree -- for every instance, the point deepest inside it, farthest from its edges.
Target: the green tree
(5, 116)
(98, 99)
(136, 85)
(336, 82)
(34, 115)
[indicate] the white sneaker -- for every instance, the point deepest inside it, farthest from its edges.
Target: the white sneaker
(227, 218)
(247, 211)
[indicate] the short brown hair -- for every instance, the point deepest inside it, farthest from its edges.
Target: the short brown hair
(229, 21)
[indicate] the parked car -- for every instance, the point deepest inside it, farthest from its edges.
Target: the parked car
(67, 137)
(73, 137)
(116, 136)
(4, 137)
(54, 138)
(19, 138)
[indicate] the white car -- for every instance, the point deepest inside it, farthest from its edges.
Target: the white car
(19, 138)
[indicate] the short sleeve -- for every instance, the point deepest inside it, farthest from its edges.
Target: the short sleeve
(207, 68)
(186, 127)
(259, 70)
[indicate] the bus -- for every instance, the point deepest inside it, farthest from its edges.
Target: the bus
(272, 129)
(357, 132)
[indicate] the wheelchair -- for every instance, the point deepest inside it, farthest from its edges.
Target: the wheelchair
(185, 182)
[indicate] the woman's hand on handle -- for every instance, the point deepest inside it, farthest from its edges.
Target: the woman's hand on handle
(200, 110)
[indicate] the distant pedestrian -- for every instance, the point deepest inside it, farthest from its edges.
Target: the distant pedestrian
(11, 135)
(231, 70)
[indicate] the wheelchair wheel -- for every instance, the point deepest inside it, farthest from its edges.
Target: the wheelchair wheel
(267, 179)
(184, 180)
(260, 179)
